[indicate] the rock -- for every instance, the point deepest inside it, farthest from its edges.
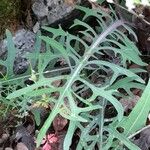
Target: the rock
(24, 138)
(50, 11)
(36, 27)
(24, 42)
(144, 140)
(40, 9)
(47, 12)
(8, 148)
(4, 138)
(21, 146)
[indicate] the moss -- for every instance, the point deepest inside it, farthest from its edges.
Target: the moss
(9, 14)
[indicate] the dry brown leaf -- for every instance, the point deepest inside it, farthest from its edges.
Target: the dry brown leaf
(128, 104)
(4, 138)
(59, 123)
(56, 83)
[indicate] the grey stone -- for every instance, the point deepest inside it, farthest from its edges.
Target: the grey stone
(36, 27)
(24, 42)
(144, 140)
(40, 9)
(23, 135)
(8, 148)
(50, 11)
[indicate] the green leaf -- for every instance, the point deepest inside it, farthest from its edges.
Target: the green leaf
(11, 54)
(117, 70)
(137, 118)
(69, 135)
(80, 100)
(26, 90)
(100, 1)
(46, 125)
(33, 57)
(122, 139)
(37, 116)
(127, 84)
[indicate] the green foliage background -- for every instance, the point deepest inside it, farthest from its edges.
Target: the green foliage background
(84, 114)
